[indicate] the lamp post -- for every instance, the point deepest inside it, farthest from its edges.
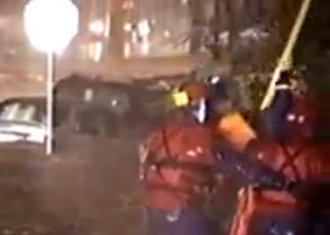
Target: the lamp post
(50, 26)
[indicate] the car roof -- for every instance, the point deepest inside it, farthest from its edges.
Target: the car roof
(22, 99)
(39, 101)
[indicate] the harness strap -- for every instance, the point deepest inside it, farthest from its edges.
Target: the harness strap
(173, 163)
(165, 143)
(290, 161)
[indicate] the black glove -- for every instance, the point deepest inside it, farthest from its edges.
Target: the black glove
(314, 193)
(299, 190)
(318, 194)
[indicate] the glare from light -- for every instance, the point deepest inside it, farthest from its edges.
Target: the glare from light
(167, 33)
(128, 5)
(114, 102)
(107, 26)
(144, 28)
(98, 51)
(88, 95)
(127, 50)
(95, 51)
(97, 27)
(50, 25)
(145, 48)
(215, 80)
(135, 37)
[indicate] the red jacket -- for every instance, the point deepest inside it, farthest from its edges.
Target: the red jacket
(304, 162)
(178, 164)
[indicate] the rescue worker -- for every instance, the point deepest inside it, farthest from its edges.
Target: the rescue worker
(264, 210)
(180, 160)
(273, 118)
(177, 168)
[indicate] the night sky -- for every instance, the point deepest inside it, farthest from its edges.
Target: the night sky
(316, 31)
(313, 49)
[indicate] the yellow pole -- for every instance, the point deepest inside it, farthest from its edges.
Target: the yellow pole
(286, 56)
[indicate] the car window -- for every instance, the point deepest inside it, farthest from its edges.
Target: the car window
(20, 112)
(96, 122)
(117, 100)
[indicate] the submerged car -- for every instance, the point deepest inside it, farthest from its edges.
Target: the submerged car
(24, 119)
(134, 104)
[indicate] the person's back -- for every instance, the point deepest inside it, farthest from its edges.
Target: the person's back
(177, 170)
(180, 164)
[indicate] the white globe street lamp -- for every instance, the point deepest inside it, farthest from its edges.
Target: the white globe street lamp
(50, 26)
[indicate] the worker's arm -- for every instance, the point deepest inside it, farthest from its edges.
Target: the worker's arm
(233, 127)
(227, 120)
(247, 170)
(273, 118)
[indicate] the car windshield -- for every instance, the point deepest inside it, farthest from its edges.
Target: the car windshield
(21, 112)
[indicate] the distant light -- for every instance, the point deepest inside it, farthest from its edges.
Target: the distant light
(127, 50)
(98, 51)
(114, 102)
(97, 27)
(215, 80)
(145, 47)
(167, 34)
(95, 51)
(128, 27)
(51, 25)
(184, 2)
(107, 26)
(135, 37)
(144, 28)
(128, 5)
(88, 95)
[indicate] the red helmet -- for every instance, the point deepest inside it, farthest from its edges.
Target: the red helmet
(195, 90)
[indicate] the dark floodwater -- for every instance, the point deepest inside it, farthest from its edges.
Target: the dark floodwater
(90, 188)
(85, 190)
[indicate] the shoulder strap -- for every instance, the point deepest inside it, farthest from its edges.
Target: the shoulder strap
(156, 142)
(165, 143)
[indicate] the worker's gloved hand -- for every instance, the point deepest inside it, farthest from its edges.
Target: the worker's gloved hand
(300, 190)
(249, 171)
